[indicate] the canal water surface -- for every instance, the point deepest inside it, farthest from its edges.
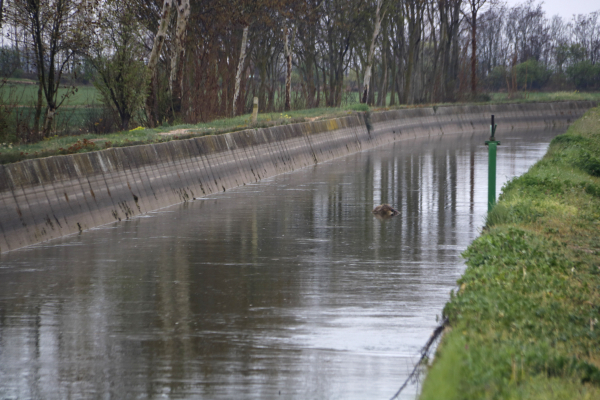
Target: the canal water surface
(285, 289)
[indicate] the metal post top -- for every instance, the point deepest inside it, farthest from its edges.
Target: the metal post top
(493, 127)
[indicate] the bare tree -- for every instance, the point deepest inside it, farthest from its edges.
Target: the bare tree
(474, 8)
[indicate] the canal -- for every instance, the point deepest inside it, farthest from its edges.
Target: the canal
(289, 288)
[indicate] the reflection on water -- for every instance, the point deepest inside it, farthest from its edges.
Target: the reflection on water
(289, 288)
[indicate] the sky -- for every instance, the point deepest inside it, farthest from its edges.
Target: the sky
(564, 8)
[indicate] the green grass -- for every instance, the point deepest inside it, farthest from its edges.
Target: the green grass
(525, 323)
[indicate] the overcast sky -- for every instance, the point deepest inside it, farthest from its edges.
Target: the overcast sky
(564, 8)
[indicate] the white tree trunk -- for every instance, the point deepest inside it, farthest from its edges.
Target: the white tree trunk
(238, 75)
(376, 28)
(159, 40)
(176, 81)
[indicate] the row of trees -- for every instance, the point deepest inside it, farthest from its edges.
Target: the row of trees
(521, 48)
(196, 60)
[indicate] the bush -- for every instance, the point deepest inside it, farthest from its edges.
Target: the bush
(496, 79)
(584, 75)
(9, 63)
(100, 121)
(532, 75)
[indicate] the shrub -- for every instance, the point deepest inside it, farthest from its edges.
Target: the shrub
(532, 75)
(496, 79)
(584, 75)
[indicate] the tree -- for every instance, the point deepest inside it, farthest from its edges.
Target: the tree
(307, 17)
(117, 55)
(178, 57)
(379, 15)
(159, 40)
(58, 29)
(340, 24)
(240, 68)
(413, 11)
(288, 64)
(475, 6)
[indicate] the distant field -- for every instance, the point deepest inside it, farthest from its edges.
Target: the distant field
(24, 92)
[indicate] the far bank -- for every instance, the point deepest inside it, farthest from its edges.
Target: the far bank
(51, 197)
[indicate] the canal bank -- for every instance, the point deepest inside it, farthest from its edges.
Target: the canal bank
(51, 197)
(524, 323)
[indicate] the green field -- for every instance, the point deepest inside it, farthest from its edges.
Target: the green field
(24, 92)
(525, 323)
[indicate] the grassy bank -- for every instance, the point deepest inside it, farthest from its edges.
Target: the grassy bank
(525, 322)
(55, 145)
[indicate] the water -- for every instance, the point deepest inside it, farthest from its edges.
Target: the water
(289, 288)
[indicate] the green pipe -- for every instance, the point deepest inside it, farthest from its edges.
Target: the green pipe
(492, 145)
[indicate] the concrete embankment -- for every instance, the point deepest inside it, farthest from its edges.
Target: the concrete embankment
(46, 198)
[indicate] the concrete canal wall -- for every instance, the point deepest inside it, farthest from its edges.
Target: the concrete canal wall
(50, 197)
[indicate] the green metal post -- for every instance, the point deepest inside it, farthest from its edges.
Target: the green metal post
(492, 145)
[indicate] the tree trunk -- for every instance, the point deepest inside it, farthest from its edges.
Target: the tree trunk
(2, 14)
(50, 112)
(384, 81)
(414, 23)
(414, 13)
(455, 52)
(288, 75)
(178, 58)
(240, 68)
(393, 84)
(159, 40)
(262, 88)
(38, 111)
(318, 100)
(474, 53)
(376, 28)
